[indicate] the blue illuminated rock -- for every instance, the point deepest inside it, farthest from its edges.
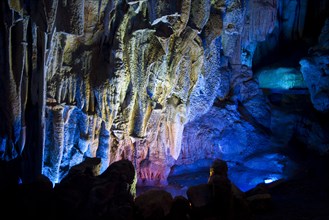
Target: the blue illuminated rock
(316, 74)
(315, 70)
(281, 78)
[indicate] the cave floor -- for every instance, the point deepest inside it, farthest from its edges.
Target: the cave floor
(178, 185)
(303, 197)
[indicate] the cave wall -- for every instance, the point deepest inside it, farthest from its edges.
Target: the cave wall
(161, 83)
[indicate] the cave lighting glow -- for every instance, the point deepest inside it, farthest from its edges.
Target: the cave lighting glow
(243, 177)
(248, 179)
(280, 78)
(270, 180)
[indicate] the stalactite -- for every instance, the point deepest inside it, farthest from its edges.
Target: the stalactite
(103, 150)
(58, 141)
(70, 17)
(50, 11)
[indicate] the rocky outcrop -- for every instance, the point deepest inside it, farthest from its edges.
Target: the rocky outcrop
(315, 70)
(154, 203)
(82, 194)
(85, 193)
(219, 198)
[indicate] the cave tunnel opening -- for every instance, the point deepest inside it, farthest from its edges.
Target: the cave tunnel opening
(287, 48)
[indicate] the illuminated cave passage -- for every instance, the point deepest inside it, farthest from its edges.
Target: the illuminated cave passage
(168, 85)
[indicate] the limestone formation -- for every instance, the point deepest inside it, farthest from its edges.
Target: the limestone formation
(159, 83)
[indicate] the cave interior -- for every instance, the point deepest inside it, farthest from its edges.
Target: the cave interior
(169, 86)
